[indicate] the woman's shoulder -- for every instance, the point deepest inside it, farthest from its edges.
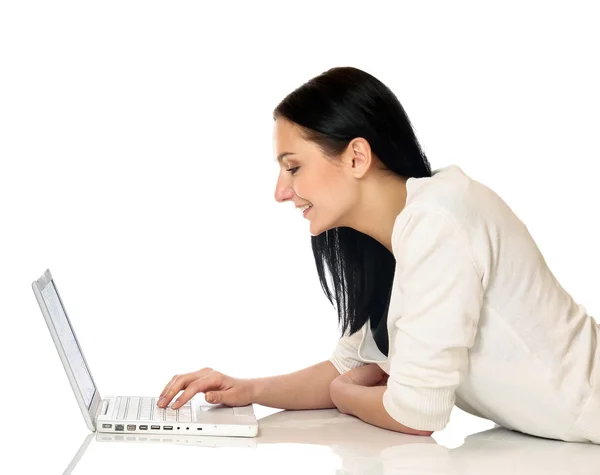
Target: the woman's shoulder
(481, 217)
(452, 191)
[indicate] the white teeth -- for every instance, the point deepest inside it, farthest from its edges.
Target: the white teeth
(304, 208)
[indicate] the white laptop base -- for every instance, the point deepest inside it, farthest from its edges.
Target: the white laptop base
(131, 414)
(121, 414)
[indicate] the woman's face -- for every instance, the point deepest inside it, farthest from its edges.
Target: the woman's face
(306, 176)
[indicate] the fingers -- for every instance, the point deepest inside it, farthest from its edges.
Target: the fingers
(177, 383)
(199, 385)
(168, 386)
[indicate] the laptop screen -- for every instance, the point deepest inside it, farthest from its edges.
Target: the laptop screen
(69, 344)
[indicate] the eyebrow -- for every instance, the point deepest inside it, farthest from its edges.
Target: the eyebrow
(283, 155)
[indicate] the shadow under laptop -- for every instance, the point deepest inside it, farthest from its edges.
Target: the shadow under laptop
(366, 449)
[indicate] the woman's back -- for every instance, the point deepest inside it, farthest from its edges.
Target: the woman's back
(535, 352)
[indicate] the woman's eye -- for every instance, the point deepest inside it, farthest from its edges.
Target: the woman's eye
(292, 170)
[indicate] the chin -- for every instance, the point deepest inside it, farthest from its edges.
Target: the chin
(315, 231)
(319, 228)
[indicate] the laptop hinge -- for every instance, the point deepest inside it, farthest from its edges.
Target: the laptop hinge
(102, 409)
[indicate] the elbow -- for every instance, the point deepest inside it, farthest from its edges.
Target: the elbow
(392, 424)
(426, 433)
(409, 430)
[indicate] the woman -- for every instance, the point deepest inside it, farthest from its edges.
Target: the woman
(442, 294)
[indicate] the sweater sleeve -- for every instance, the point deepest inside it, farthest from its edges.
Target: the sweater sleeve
(441, 296)
(345, 356)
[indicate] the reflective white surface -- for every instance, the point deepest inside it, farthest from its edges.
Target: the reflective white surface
(113, 165)
(318, 442)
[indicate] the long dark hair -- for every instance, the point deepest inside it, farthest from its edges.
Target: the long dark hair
(331, 110)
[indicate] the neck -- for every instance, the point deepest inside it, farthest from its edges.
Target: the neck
(381, 201)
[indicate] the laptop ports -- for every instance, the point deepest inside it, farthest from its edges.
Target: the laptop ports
(119, 427)
(168, 427)
(155, 427)
(107, 426)
(143, 427)
(131, 427)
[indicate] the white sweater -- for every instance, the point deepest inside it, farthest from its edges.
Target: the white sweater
(477, 319)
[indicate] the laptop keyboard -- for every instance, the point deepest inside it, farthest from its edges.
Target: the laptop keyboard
(145, 409)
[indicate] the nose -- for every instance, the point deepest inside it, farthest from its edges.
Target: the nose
(283, 191)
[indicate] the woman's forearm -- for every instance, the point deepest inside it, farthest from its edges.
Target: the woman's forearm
(307, 388)
(366, 403)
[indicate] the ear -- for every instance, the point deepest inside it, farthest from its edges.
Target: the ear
(359, 157)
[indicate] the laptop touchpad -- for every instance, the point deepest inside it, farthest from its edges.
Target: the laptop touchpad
(217, 409)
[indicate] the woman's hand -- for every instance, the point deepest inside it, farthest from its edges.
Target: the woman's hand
(223, 389)
(366, 375)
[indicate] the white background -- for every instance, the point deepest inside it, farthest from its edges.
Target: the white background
(136, 162)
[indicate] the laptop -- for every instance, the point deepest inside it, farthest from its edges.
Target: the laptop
(132, 414)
